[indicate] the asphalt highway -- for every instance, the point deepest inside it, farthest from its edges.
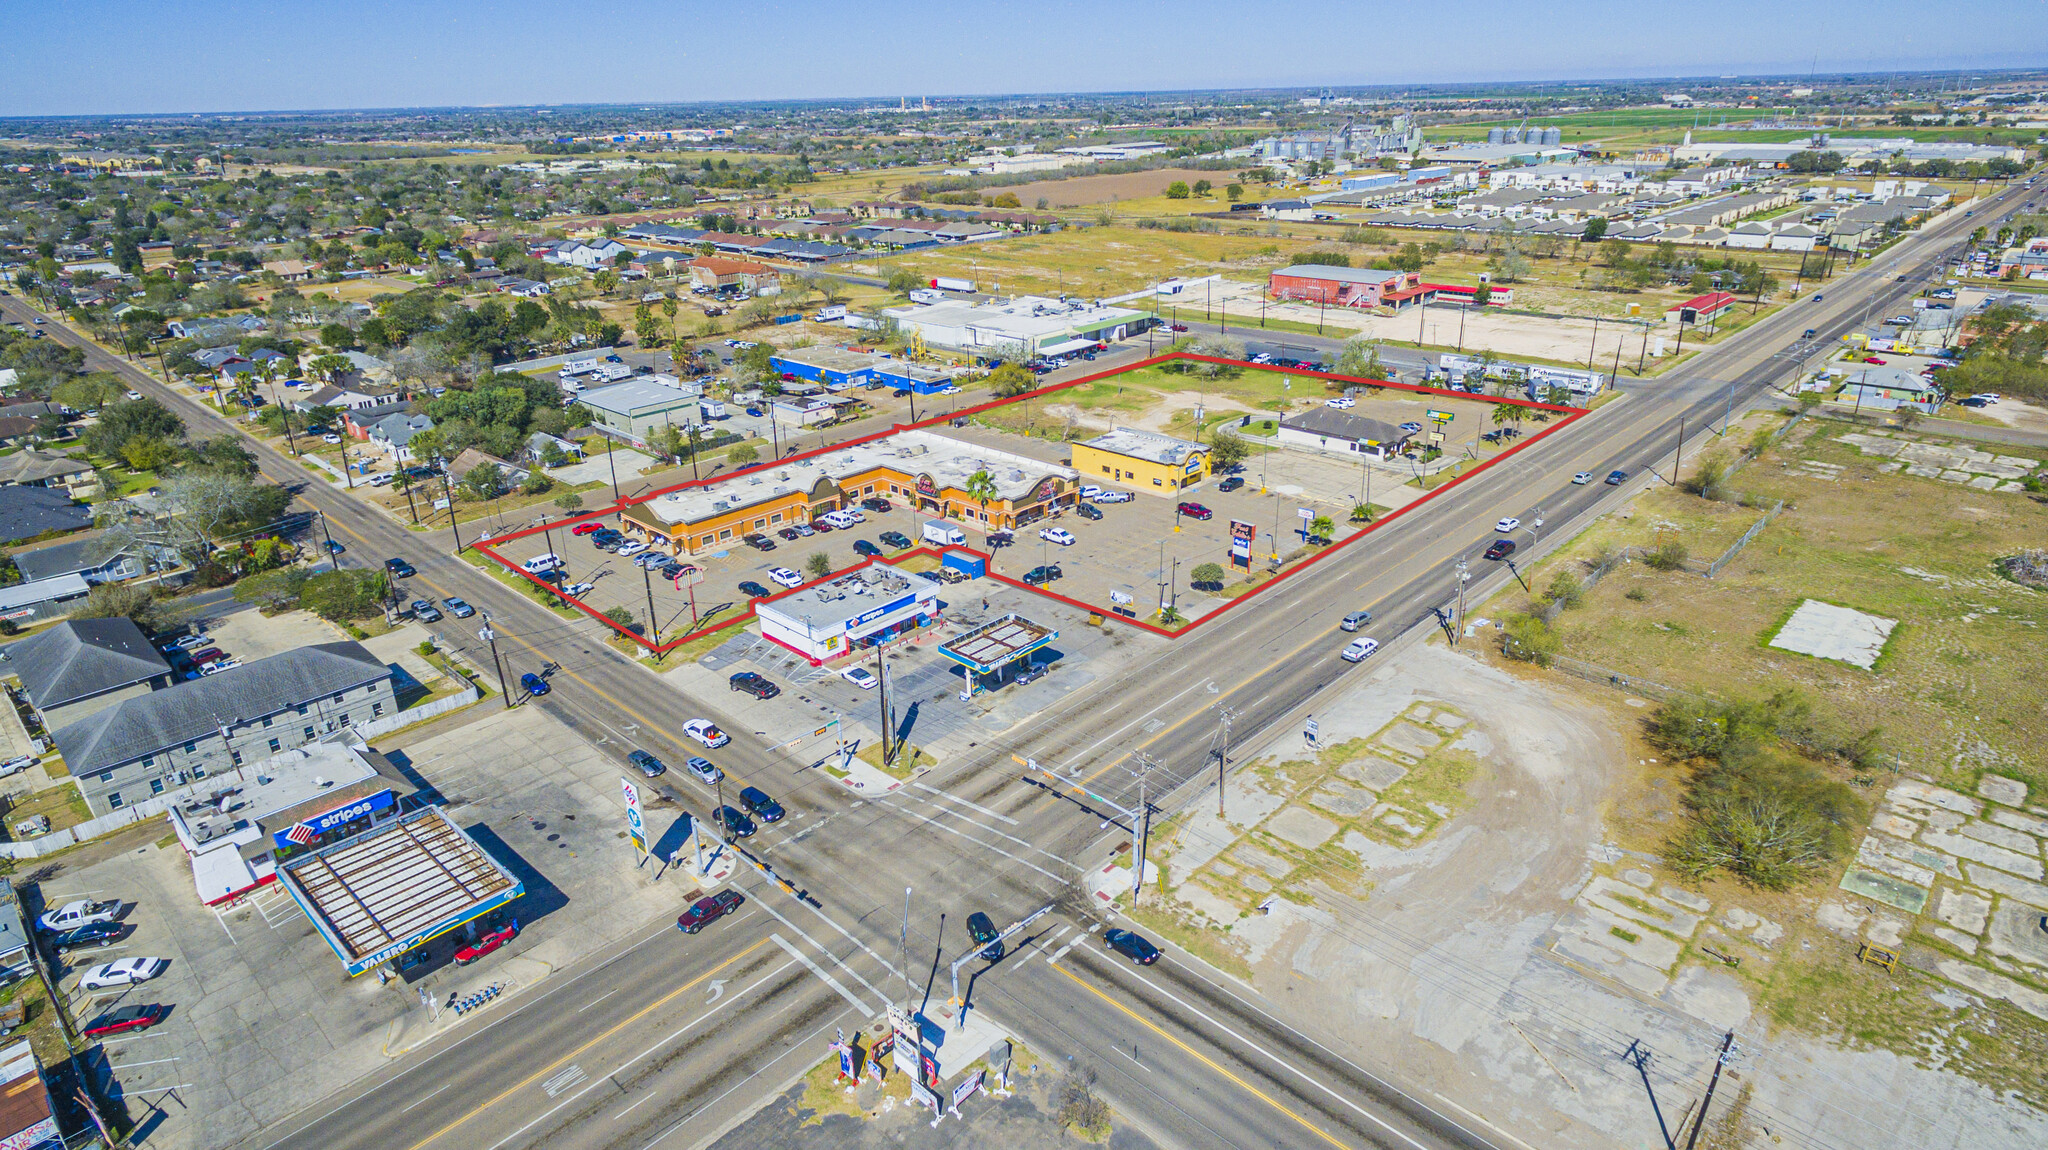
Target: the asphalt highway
(631, 1047)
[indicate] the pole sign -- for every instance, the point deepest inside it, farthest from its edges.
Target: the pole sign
(635, 827)
(1440, 416)
(1312, 730)
(965, 1090)
(1307, 514)
(1241, 536)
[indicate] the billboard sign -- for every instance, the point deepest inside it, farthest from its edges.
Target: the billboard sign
(1241, 536)
(636, 827)
(1440, 416)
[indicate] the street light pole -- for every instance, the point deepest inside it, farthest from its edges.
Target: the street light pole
(1226, 716)
(1463, 577)
(489, 635)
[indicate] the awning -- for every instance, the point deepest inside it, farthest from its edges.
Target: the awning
(1068, 347)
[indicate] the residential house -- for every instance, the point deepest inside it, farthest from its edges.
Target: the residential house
(82, 666)
(26, 512)
(206, 329)
(290, 271)
(32, 468)
(522, 287)
(510, 474)
(356, 422)
(393, 434)
(352, 396)
(144, 745)
(714, 273)
(215, 358)
(1298, 210)
(537, 445)
(586, 254)
(99, 559)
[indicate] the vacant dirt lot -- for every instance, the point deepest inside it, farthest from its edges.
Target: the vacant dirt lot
(1082, 191)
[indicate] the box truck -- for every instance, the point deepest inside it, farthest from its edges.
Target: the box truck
(926, 295)
(951, 283)
(944, 534)
(828, 314)
(711, 408)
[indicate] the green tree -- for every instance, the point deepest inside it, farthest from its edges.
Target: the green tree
(121, 422)
(742, 454)
(981, 487)
(606, 281)
(570, 503)
(1226, 450)
(273, 590)
(1529, 639)
(1596, 228)
(1360, 359)
(1203, 187)
(1011, 380)
(1207, 575)
(903, 281)
(819, 564)
(1408, 259)
(148, 453)
(1614, 253)
(621, 616)
(1177, 190)
(1566, 589)
(126, 600)
(646, 328)
(1233, 192)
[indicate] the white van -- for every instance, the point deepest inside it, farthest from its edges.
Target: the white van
(840, 520)
(944, 534)
(540, 563)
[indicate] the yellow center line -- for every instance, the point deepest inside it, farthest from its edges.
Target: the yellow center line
(545, 1070)
(1205, 1060)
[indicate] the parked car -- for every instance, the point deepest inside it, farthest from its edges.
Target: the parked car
(760, 805)
(876, 504)
(486, 943)
(1360, 650)
(1088, 511)
(636, 547)
(92, 934)
(863, 547)
(896, 539)
(1582, 478)
(1111, 497)
(190, 641)
(16, 765)
(985, 935)
(1501, 549)
(1412, 428)
(1195, 511)
(458, 608)
(804, 530)
(140, 1016)
(648, 764)
(755, 684)
(785, 576)
(122, 972)
(735, 824)
(1341, 403)
(77, 913)
(209, 655)
(707, 733)
(754, 590)
(860, 677)
(425, 611)
(1231, 484)
(1040, 576)
(707, 910)
(586, 528)
(399, 568)
(758, 542)
(216, 667)
(1355, 620)
(1135, 947)
(534, 684)
(1058, 535)
(789, 535)
(703, 768)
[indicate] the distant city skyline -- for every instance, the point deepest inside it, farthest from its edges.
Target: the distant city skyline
(207, 56)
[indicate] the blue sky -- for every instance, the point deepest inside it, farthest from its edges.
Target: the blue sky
(122, 56)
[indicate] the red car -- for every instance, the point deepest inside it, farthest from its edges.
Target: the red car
(1195, 511)
(487, 944)
(586, 528)
(137, 1017)
(211, 654)
(705, 910)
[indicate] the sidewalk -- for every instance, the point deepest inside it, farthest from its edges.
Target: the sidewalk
(422, 1024)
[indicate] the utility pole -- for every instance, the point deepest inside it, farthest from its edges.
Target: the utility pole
(1593, 347)
(1700, 1120)
(611, 456)
(1225, 716)
(653, 620)
(489, 635)
(333, 558)
(882, 699)
(1677, 451)
(448, 493)
(1146, 764)
(1463, 577)
(908, 988)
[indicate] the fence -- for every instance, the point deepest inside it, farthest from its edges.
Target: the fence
(419, 714)
(1591, 579)
(1735, 548)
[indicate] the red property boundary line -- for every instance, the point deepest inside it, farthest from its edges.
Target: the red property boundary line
(489, 547)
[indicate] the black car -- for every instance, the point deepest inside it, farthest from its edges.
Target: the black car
(762, 807)
(1131, 946)
(760, 542)
(553, 575)
(875, 503)
(705, 910)
(399, 569)
(894, 538)
(1000, 539)
(753, 590)
(1501, 549)
(984, 932)
(91, 934)
(1230, 484)
(736, 824)
(1088, 511)
(863, 547)
(790, 534)
(755, 685)
(648, 764)
(1040, 576)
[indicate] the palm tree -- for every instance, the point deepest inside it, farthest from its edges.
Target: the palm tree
(981, 488)
(1321, 527)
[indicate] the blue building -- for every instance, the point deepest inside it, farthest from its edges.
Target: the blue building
(897, 373)
(837, 368)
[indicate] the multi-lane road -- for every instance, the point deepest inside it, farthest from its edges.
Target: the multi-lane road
(668, 1041)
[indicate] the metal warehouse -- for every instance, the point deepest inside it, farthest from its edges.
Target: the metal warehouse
(835, 367)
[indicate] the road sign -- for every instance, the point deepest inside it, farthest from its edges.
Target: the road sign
(440, 505)
(634, 826)
(1440, 416)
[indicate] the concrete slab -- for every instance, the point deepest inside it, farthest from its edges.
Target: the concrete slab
(1343, 799)
(1996, 985)
(1999, 836)
(1301, 827)
(1998, 882)
(1999, 789)
(1983, 852)
(2015, 932)
(1827, 631)
(1263, 860)
(2032, 825)
(1884, 889)
(1377, 774)
(1713, 996)
(1963, 910)
(1410, 739)
(1912, 795)
(1967, 943)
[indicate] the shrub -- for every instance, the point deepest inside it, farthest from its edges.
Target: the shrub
(1710, 480)
(115, 600)
(620, 615)
(345, 594)
(1207, 575)
(1669, 557)
(1529, 639)
(427, 647)
(1566, 590)
(1635, 594)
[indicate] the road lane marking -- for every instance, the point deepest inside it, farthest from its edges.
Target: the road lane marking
(635, 1106)
(1206, 1061)
(807, 1044)
(964, 803)
(598, 999)
(544, 1071)
(822, 949)
(814, 968)
(1282, 1063)
(563, 1080)
(423, 1101)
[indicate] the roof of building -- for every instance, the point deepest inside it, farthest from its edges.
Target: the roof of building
(1712, 301)
(828, 607)
(288, 787)
(13, 928)
(35, 466)
(634, 396)
(1023, 318)
(67, 558)
(80, 658)
(950, 463)
(1346, 275)
(1135, 443)
(1344, 425)
(840, 359)
(470, 459)
(24, 1096)
(725, 267)
(135, 727)
(36, 592)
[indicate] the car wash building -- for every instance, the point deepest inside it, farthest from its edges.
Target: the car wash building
(870, 607)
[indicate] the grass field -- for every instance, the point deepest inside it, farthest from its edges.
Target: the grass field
(1957, 692)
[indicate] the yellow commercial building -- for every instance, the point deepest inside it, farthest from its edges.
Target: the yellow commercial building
(1145, 460)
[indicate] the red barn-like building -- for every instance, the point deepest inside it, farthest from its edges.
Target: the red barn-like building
(1338, 287)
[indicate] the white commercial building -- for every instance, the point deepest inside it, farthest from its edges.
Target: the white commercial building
(1023, 326)
(864, 609)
